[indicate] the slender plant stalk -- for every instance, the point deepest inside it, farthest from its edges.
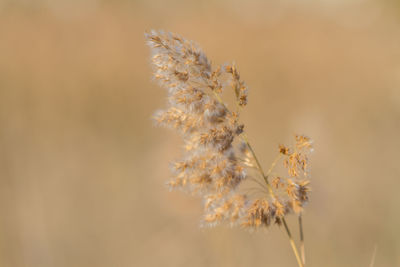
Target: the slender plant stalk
(291, 241)
(295, 251)
(302, 247)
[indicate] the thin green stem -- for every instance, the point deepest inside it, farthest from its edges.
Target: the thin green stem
(295, 251)
(302, 246)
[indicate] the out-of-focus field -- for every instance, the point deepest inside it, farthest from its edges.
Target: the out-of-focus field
(82, 169)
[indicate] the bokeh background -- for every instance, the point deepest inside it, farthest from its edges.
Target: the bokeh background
(82, 168)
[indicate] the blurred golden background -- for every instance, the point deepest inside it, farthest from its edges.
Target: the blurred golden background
(82, 168)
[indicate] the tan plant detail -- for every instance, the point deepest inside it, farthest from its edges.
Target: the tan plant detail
(218, 159)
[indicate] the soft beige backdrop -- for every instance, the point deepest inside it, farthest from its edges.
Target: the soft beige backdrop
(82, 169)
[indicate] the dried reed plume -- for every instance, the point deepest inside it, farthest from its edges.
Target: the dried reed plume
(219, 163)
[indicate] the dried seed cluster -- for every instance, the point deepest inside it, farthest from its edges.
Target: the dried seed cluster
(216, 160)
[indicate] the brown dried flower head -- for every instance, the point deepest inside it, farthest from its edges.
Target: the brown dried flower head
(218, 160)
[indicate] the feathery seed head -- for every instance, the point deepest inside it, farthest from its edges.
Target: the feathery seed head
(218, 158)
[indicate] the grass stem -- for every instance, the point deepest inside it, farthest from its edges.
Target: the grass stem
(295, 251)
(302, 247)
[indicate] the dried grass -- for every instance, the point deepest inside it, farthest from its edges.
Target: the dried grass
(218, 159)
